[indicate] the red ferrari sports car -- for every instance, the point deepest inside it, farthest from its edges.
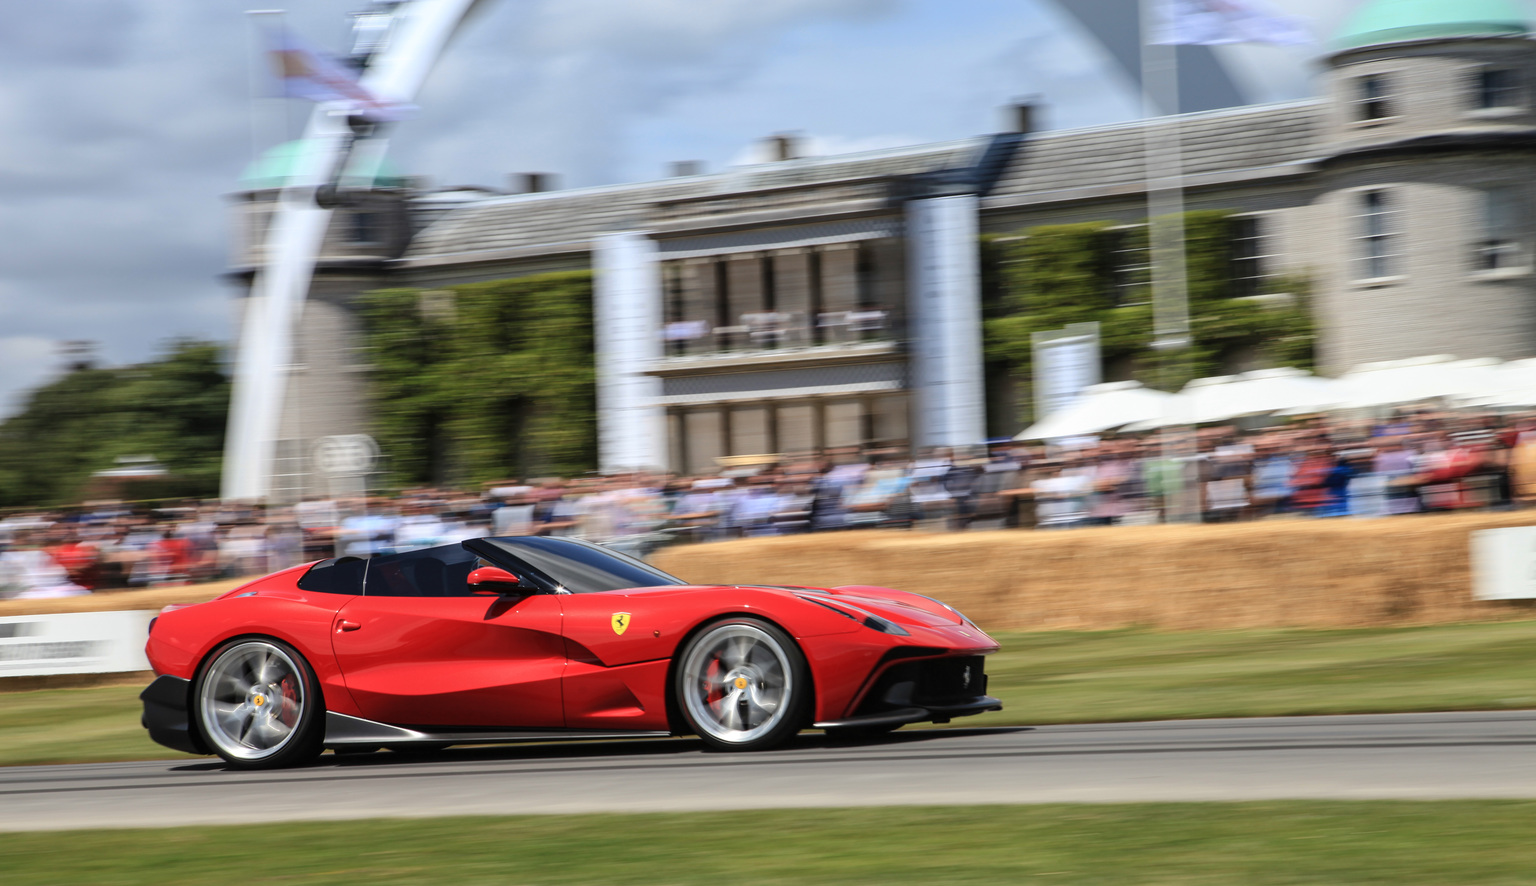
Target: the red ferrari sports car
(531, 639)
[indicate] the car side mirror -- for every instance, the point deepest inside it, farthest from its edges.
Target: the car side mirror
(493, 581)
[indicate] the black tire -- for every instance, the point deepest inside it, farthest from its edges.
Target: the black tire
(258, 705)
(742, 684)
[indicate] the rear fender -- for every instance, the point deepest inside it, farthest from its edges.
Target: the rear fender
(182, 640)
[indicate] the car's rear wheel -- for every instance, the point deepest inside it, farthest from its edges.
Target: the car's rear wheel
(743, 685)
(258, 705)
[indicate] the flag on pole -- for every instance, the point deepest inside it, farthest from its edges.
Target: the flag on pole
(304, 71)
(1212, 22)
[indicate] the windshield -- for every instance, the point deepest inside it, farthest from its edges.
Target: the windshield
(581, 567)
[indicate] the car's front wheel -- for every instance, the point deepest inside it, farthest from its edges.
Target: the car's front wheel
(743, 684)
(258, 705)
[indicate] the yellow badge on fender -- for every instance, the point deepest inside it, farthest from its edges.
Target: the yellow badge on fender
(620, 622)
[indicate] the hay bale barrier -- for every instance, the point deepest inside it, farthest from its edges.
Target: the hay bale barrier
(1343, 573)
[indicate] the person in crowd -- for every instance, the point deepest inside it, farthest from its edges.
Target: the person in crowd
(1061, 500)
(28, 572)
(69, 546)
(1522, 465)
(1310, 481)
(1273, 475)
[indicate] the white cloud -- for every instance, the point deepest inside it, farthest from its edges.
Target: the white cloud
(25, 362)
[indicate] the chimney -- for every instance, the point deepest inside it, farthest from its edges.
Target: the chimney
(783, 147)
(685, 168)
(531, 182)
(1022, 116)
(78, 355)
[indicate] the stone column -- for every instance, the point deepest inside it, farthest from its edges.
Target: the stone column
(627, 317)
(944, 308)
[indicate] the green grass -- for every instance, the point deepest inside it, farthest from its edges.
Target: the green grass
(1145, 675)
(1041, 678)
(1256, 844)
(75, 726)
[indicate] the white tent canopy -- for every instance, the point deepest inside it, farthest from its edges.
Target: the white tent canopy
(1514, 386)
(1131, 407)
(1416, 380)
(1259, 392)
(1101, 408)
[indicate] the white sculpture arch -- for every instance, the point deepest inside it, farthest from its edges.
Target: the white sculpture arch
(419, 33)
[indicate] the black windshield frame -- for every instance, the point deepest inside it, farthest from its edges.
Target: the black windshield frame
(569, 565)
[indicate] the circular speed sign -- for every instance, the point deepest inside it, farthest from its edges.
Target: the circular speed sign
(345, 454)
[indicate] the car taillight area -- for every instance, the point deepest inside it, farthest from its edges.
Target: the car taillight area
(935, 683)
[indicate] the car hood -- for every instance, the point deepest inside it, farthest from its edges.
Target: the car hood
(901, 607)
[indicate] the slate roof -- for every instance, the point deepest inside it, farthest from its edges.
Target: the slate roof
(568, 220)
(1229, 144)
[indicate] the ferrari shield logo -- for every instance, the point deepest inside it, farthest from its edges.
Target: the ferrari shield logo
(620, 622)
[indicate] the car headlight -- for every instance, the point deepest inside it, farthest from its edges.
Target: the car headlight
(864, 617)
(884, 626)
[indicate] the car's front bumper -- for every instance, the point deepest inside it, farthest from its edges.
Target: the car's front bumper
(166, 714)
(935, 689)
(928, 713)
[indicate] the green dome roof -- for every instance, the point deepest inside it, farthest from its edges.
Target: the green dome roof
(1396, 21)
(276, 165)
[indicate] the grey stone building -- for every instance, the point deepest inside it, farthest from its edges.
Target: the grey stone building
(812, 303)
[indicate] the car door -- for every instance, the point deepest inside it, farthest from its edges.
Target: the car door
(417, 649)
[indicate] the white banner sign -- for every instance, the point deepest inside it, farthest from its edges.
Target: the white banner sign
(1066, 362)
(73, 643)
(1504, 564)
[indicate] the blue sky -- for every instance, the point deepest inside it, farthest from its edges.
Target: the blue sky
(127, 122)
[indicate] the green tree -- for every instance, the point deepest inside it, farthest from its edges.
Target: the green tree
(173, 408)
(485, 381)
(1052, 276)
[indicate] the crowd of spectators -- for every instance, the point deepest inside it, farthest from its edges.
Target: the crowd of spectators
(1412, 462)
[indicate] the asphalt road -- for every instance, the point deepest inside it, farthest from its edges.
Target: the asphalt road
(1410, 756)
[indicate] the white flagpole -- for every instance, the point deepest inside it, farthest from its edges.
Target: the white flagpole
(1165, 235)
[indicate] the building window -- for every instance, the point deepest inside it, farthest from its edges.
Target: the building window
(796, 429)
(365, 229)
(751, 431)
(1250, 261)
(1499, 88)
(1374, 101)
(1499, 247)
(679, 330)
(703, 441)
(1377, 240)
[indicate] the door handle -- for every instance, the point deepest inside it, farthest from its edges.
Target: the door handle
(343, 625)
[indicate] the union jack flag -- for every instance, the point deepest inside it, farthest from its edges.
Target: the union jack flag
(1212, 22)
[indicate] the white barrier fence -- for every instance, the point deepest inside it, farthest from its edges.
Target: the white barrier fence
(1504, 563)
(73, 643)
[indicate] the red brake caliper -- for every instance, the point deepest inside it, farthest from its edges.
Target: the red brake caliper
(712, 680)
(289, 715)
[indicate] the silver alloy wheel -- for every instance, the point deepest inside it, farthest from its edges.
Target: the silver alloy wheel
(251, 701)
(737, 683)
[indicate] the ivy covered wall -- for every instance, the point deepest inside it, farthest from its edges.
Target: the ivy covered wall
(1048, 277)
(485, 381)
